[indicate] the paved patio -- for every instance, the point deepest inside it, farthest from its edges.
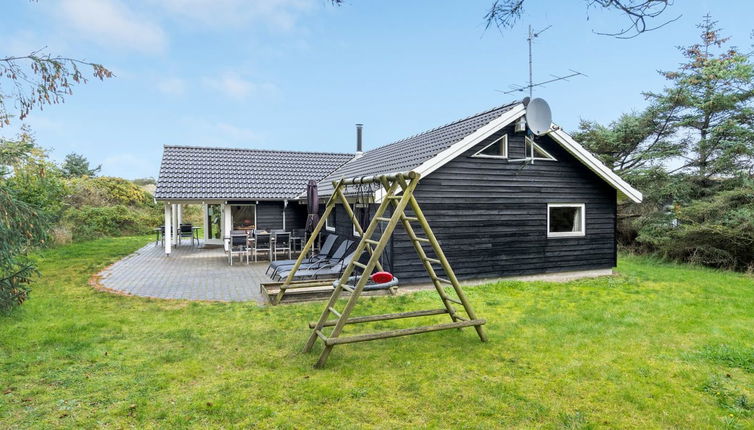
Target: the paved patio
(191, 273)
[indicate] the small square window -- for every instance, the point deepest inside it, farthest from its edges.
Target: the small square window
(565, 219)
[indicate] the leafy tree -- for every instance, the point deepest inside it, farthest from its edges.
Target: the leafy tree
(34, 179)
(76, 165)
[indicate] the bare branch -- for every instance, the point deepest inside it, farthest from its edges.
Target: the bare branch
(504, 14)
(39, 79)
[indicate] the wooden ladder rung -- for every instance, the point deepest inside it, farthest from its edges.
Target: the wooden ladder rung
(383, 317)
(357, 264)
(330, 308)
(421, 239)
(433, 260)
(443, 280)
(394, 197)
(410, 218)
(402, 332)
(347, 288)
(460, 318)
(371, 242)
(321, 335)
(452, 300)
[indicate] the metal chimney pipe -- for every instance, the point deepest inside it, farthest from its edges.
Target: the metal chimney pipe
(359, 128)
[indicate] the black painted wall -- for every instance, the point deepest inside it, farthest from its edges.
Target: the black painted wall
(270, 215)
(490, 216)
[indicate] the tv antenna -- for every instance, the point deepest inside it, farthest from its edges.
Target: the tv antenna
(520, 88)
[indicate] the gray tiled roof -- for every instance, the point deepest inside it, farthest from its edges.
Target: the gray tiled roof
(189, 173)
(410, 153)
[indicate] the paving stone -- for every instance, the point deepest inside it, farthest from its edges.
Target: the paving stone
(189, 273)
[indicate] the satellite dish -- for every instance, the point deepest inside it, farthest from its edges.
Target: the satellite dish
(538, 116)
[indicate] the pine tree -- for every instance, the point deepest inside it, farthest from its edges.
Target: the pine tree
(712, 93)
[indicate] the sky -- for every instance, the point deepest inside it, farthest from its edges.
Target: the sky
(298, 74)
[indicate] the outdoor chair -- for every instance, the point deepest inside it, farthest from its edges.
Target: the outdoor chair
(282, 244)
(337, 256)
(328, 270)
(298, 237)
(187, 231)
(159, 235)
(238, 245)
(262, 243)
(324, 253)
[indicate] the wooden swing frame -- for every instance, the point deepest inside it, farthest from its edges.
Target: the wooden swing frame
(398, 194)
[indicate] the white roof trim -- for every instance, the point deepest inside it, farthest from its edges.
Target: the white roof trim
(464, 144)
(469, 141)
(595, 165)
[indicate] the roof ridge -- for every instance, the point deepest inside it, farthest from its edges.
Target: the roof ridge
(284, 151)
(515, 102)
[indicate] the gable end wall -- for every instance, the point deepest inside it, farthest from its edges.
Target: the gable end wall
(490, 215)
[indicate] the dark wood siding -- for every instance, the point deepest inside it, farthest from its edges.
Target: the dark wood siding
(270, 215)
(490, 215)
(344, 229)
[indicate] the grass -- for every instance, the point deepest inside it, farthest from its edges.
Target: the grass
(658, 346)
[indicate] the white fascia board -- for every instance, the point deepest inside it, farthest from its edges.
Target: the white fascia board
(595, 165)
(469, 141)
(463, 145)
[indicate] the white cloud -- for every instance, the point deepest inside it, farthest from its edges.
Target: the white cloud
(172, 86)
(235, 86)
(276, 14)
(111, 22)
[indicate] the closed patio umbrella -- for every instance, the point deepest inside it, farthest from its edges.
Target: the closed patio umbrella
(312, 205)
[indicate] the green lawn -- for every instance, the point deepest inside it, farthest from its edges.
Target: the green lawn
(659, 346)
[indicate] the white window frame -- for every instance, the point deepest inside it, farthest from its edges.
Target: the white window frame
(504, 138)
(353, 227)
(534, 144)
(559, 234)
(328, 227)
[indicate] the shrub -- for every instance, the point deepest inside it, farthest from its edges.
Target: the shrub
(105, 191)
(717, 231)
(91, 222)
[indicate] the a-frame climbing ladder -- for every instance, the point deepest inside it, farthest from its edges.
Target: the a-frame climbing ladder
(398, 194)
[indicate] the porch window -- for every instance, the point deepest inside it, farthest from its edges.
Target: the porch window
(330, 221)
(566, 220)
(214, 221)
(243, 216)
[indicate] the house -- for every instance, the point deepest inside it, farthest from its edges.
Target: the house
(501, 202)
(239, 187)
